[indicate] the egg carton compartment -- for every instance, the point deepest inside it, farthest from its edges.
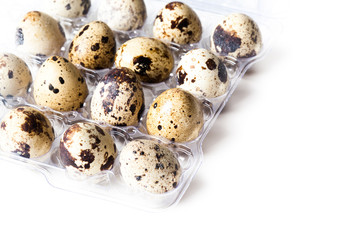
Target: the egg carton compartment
(109, 184)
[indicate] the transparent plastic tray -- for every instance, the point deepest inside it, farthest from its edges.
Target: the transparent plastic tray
(109, 185)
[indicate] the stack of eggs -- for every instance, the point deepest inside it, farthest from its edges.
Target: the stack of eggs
(118, 99)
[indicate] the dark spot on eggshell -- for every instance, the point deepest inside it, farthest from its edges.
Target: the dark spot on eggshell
(83, 30)
(160, 17)
(88, 157)
(104, 39)
(171, 6)
(71, 46)
(3, 125)
(132, 109)
(174, 184)
(96, 142)
(100, 130)
(181, 75)
(86, 4)
(10, 74)
(174, 23)
(142, 64)
(159, 166)
(138, 178)
(183, 24)
(62, 81)
(210, 63)
(222, 73)
(19, 37)
(226, 41)
(95, 47)
(54, 58)
(34, 122)
(68, 6)
(108, 163)
(23, 150)
(251, 54)
(65, 156)
(155, 105)
(159, 127)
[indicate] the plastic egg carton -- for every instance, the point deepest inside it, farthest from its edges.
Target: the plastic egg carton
(109, 185)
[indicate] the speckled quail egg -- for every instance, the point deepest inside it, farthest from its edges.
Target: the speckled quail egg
(87, 148)
(94, 46)
(118, 98)
(149, 58)
(15, 75)
(123, 15)
(177, 23)
(149, 166)
(40, 35)
(176, 115)
(237, 36)
(69, 8)
(27, 132)
(202, 73)
(59, 85)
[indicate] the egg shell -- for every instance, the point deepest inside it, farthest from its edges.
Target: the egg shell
(93, 46)
(122, 15)
(59, 85)
(69, 8)
(15, 75)
(202, 73)
(149, 166)
(177, 23)
(27, 132)
(118, 98)
(176, 115)
(237, 36)
(149, 58)
(87, 148)
(40, 35)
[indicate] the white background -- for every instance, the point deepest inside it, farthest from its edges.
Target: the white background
(281, 162)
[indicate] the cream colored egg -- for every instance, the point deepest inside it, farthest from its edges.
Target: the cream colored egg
(93, 46)
(149, 58)
(59, 85)
(149, 166)
(87, 148)
(15, 75)
(122, 15)
(27, 132)
(237, 36)
(40, 35)
(177, 23)
(176, 115)
(69, 8)
(202, 73)
(118, 99)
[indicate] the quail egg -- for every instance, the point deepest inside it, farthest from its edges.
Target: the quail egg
(69, 8)
(202, 73)
(59, 85)
(237, 36)
(118, 99)
(149, 166)
(87, 148)
(15, 76)
(176, 115)
(177, 23)
(123, 15)
(40, 35)
(149, 58)
(27, 132)
(94, 46)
